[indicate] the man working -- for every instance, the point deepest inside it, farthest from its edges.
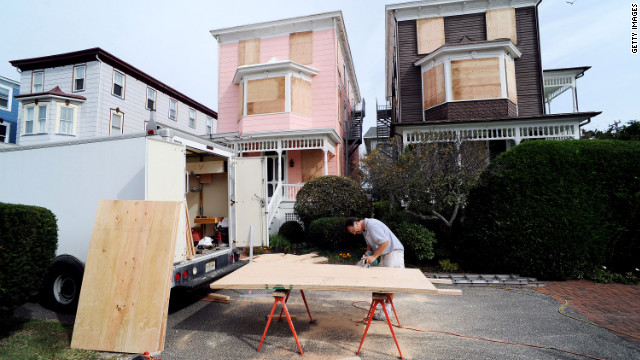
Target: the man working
(381, 242)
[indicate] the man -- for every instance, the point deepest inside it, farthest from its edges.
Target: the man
(381, 243)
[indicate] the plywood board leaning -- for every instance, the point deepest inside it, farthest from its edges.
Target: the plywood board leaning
(301, 276)
(191, 253)
(430, 34)
(125, 291)
(501, 24)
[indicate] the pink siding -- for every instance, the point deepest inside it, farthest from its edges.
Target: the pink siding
(227, 90)
(295, 172)
(277, 47)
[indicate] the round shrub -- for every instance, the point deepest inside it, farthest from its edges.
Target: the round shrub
(556, 210)
(418, 242)
(330, 196)
(329, 233)
(292, 231)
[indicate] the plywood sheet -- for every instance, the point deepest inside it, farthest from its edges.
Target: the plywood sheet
(312, 164)
(311, 258)
(475, 79)
(248, 52)
(433, 86)
(300, 96)
(205, 167)
(241, 101)
(127, 279)
(430, 34)
(301, 276)
(512, 92)
(301, 47)
(265, 96)
(501, 24)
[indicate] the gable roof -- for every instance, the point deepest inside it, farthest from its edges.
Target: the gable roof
(55, 92)
(97, 54)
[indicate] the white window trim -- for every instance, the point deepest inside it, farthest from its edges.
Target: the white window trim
(8, 131)
(9, 99)
(209, 125)
(84, 82)
(155, 98)
(33, 78)
(113, 111)
(36, 113)
(59, 115)
(113, 83)
(169, 113)
(195, 118)
(287, 89)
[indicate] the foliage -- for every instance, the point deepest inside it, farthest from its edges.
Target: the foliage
(327, 196)
(28, 243)
(431, 180)
(556, 210)
(280, 243)
(445, 265)
(345, 258)
(629, 132)
(381, 209)
(418, 242)
(329, 233)
(292, 231)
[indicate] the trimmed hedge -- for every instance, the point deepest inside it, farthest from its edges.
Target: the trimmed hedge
(556, 210)
(329, 233)
(330, 196)
(28, 243)
(292, 231)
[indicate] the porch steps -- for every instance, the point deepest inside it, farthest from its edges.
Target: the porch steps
(486, 279)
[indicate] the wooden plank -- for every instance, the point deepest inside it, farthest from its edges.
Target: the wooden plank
(301, 47)
(217, 298)
(241, 101)
(205, 167)
(475, 79)
(311, 258)
(301, 276)
(191, 253)
(433, 86)
(248, 52)
(512, 91)
(300, 96)
(125, 290)
(501, 24)
(265, 96)
(430, 34)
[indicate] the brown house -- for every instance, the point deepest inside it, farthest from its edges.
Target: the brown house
(471, 70)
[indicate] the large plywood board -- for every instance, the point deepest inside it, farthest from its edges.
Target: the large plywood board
(300, 96)
(312, 164)
(501, 24)
(475, 79)
(512, 91)
(301, 47)
(430, 34)
(266, 96)
(433, 86)
(127, 278)
(248, 52)
(241, 101)
(302, 276)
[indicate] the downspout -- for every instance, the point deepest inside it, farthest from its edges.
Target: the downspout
(99, 94)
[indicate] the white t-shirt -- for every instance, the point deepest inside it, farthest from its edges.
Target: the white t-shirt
(377, 233)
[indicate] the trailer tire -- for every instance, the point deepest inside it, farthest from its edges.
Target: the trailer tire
(61, 288)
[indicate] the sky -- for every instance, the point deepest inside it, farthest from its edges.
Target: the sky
(170, 41)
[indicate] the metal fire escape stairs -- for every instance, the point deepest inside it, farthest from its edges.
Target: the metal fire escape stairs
(353, 133)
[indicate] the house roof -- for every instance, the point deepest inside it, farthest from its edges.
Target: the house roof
(371, 133)
(55, 92)
(97, 54)
(15, 83)
(583, 115)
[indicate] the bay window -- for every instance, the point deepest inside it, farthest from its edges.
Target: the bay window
(67, 116)
(35, 118)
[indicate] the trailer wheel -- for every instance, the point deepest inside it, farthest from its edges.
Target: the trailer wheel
(62, 286)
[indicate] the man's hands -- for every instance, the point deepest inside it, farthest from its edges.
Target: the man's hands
(370, 259)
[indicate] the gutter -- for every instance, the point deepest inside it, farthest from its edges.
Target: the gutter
(99, 94)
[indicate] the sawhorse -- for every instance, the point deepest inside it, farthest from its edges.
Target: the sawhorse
(281, 296)
(379, 298)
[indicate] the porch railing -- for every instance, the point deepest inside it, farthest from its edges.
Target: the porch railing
(290, 191)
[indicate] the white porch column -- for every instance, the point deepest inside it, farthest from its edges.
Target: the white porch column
(574, 91)
(279, 167)
(326, 165)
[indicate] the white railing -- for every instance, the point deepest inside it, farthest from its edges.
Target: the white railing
(290, 191)
(275, 201)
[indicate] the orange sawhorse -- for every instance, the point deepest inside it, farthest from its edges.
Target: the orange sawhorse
(281, 296)
(379, 298)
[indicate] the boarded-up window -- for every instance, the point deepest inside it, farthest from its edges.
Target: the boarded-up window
(241, 100)
(301, 47)
(511, 80)
(312, 164)
(300, 96)
(430, 34)
(265, 96)
(475, 79)
(433, 86)
(248, 52)
(501, 24)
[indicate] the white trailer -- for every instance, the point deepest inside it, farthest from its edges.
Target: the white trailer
(70, 178)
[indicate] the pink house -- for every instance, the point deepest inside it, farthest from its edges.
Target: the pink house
(287, 90)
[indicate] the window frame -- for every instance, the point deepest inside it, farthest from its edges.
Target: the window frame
(111, 113)
(155, 98)
(194, 118)
(74, 78)
(7, 133)
(209, 125)
(33, 78)
(74, 121)
(113, 84)
(175, 117)
(36, 118)
(9, 98)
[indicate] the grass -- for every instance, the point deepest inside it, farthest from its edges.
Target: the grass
(32, 339)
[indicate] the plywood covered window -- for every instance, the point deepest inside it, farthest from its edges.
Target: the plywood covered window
(501, 24)
(433, 86)
(248, 52)
(475, 79)
(266, 96)
(301, 47)
(300, 96)
(510, 69)
(430, 34)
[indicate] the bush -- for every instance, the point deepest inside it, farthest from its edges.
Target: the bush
(381, 209)
(292, 231)
(280, 243)
(418, 242)
(556, 210)
(328, 196)
(28, 243)
(330, 234)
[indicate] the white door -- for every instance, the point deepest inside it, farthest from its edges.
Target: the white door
(250, 202)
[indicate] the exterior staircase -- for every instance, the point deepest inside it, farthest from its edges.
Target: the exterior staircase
(280, 208)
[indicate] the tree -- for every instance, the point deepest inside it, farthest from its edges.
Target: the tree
(629, 132)
(428, 180)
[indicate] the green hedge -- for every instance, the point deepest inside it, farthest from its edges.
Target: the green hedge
(28, 243)
(556, 210)
(330, 234)
(292, 231)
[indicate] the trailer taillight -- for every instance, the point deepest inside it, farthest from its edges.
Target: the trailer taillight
(209, 147)
(185, 274)
(150, 132)
(230, 258)
(177, 277)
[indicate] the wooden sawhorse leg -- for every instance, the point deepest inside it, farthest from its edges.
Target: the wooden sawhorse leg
(279, 297)
(379, 298)
(305, 305)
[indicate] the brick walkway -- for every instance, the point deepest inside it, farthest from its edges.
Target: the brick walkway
(615, 306)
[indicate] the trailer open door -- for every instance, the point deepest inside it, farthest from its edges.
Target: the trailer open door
(249, 201)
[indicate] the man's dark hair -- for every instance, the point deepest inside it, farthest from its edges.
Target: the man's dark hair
(349, 222)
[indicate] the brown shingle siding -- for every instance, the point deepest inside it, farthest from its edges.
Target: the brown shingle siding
(472, 26)
(409, 74)
(529, 65)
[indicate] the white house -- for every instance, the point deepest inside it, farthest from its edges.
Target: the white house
(91, 93)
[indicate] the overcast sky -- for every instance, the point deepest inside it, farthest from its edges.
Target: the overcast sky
(170, 41)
